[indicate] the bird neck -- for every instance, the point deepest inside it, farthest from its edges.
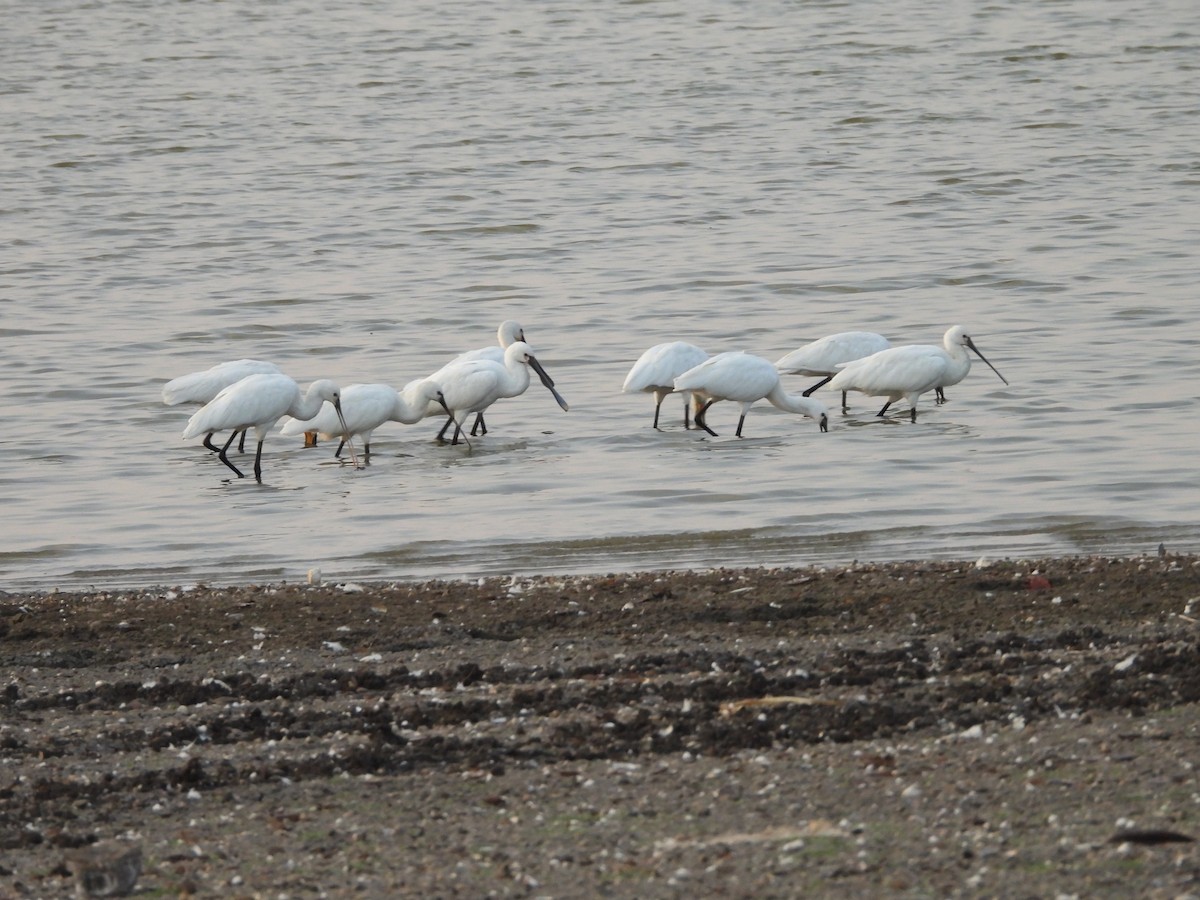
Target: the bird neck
(793, 403)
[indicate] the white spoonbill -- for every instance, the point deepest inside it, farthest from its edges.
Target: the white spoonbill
(258, 402)
(745, 378)
(826, 356)
(472, 386)
(200, 387)
(507, 334)
(911, 370)
(367, 406)
(656, 370)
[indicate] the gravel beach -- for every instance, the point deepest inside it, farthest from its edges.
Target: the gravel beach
(1006, 728)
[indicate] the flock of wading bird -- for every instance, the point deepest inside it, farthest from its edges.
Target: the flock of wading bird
(250, 393)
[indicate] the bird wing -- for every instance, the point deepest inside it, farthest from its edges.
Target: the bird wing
(659, 366)
(201, 387)
(822, 357)
(469, 386)
(255, 400)
(364, 406)
(915, 368)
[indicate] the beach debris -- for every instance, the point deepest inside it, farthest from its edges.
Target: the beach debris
(105, 869)
(314, 576)
(731, 706)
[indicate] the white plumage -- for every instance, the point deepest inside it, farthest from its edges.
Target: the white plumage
(258, 402)
(200, 387)
(474, 385)
(826, 356)
(909, 371)
(745, 378)
(507, 334)
(656, 370)
(367, 406)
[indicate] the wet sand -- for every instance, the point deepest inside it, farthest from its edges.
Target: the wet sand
(1026, 728)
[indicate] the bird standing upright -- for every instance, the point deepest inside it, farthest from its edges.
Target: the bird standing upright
(911, 370)
(474, 385)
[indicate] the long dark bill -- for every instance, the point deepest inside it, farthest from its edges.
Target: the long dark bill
(441, 399)
(548, 382)
(971, 344)
(337, 407)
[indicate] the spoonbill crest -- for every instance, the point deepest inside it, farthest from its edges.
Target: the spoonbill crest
(656, 370)
(824, 357)
(911, 370)
(472, 386)
(367, 406)
(258, 402)
(200, 387)
(745, 378)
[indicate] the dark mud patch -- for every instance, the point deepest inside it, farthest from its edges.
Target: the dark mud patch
(920, 728)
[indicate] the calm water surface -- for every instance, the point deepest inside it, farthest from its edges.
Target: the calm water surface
(358, 192)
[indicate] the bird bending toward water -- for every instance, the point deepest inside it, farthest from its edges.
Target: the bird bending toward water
(745, 378)
(656, 370)
(911, 370)
(200, 387)
(825, 357)
(258, 402)
(367, 406)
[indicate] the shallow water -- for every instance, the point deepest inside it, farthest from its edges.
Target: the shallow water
(359, 195)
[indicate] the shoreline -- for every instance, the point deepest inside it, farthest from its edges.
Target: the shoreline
(895, 728)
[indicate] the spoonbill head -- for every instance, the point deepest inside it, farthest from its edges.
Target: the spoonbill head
(656, 370)
(367, 406)
(258, 402)
(200, 387)
(909, 371)
(745, 379)
(825, 356)
(474, 385)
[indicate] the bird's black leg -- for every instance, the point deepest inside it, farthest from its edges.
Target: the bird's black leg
(242, 442)
(657, 407)
(741, 421)
(366, 449)
(824, 381)
(941, 395)
(225, 459)
(480, 426)
(845, 405)
(338, 452)
(209, 444)
(914, 414)
(702, 418)
(258, 463)
(441, 435)
(885, 408)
